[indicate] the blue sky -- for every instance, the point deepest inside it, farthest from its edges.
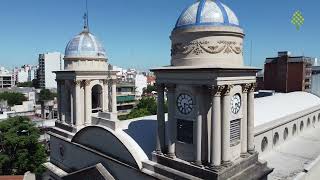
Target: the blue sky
(136, 33)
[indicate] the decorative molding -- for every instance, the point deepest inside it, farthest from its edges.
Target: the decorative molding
(200, 47)
(245, 88)
(217, 90)
(105, 81)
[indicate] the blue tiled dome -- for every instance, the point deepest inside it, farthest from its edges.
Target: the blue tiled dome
(207, 13)
(85, 45)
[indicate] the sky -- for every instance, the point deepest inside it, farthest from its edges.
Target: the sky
(135, 33)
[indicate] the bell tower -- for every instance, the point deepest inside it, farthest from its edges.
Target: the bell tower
(210, 94)
(87, 86)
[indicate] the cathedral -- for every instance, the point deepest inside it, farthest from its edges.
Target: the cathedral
(208, 132)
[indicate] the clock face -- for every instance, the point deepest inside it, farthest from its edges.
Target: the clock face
(235, 103)
(184, 103)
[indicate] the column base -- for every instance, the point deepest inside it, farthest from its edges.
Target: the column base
(252, 151)
(197, 163)
(227, 163)
(215, 167)
(159, 152)
(171, 155)
(244, 155)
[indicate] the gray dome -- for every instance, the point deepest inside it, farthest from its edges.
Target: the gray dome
(207, 13)
(85, 45)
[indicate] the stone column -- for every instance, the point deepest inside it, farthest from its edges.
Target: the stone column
(199, 127)
(77, 106)
(105, 96)
(114, 96)
(161, 120)
(59, 98)
(172, 123)
(226, 160)
(87, 101)
(215, 149)
(244, 122)
(251, 149)
(72, 106)
(63, 101)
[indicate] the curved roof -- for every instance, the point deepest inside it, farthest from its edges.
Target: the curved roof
(280, 105)
(85, 45)
(208, 13)
(124, 147)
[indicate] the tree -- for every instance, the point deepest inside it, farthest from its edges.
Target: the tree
(46, 94)
(20, 150)
(25, 84)
(13, 98)
(148, 103)
(149, 89)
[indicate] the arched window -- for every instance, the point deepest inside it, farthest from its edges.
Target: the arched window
(285, 133)
(275, 138)
(301, 125)
(319, 117)
(314, 120)
(264, 144)
(308, 122)
(294, 129)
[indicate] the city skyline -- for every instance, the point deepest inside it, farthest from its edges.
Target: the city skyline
(139, 31)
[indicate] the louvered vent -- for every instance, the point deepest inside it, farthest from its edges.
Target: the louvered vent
(235, 127)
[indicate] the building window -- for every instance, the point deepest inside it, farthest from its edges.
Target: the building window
(185, 131)
(235, 127)
(275, 138)
(264, 144)
(285, 133)
(301, 125)
(294, 129)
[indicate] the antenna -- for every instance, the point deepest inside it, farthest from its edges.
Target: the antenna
(251, 53)
(86, 18)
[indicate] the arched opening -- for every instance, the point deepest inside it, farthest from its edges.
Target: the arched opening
(285, 133)
(264, 144)
(275, 138)
(319, 117)
(308, 122)
(294, 129)
(96, 98)
(301, 125)
(314, 120)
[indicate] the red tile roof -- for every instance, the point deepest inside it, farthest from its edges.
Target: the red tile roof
(11, 177)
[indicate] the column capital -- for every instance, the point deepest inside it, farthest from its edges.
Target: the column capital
(245, 87)
(171, 87)
(252, 87)
(77, 82)
(86, 82)
(227, 89)
(160, 87)
(217, 90)
(105, 81)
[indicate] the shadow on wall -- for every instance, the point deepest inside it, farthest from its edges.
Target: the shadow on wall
(144, 133)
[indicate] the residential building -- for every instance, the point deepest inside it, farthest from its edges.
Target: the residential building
(151, 80)
(48, 63)
(286, 73)
(126, 97)
(25, 73)
(140, 82)
(6, 78)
